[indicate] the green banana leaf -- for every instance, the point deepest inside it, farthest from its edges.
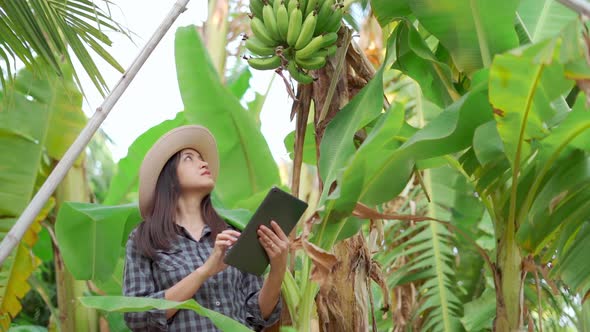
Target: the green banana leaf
(521, 91)
(473, 31)
(449, 132)
(574, 131)
(480, 313)
(247, 166)
(239, 82)
(86, 232)
(135, 304)
(65, 100)
(40, 115)
(571, 265)
(337, 146)
(23, 127)
(381, 142)
(387, 11)
(309, 146)
(562, 199)
(415, 59)
(543, 19)
(487, 144)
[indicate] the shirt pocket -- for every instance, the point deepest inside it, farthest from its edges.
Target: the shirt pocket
(171, 267)
(172, 261)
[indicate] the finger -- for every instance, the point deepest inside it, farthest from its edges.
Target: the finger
(267, 242)
(223, 243)
(267, 239)
(231, 232)
(271, 234)
(265, 245)
(271, 248)
(279, 231)
(223, 236)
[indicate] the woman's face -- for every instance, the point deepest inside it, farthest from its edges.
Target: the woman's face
(193, 172)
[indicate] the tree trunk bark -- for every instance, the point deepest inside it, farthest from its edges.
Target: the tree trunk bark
(72, 315)
(342, 302)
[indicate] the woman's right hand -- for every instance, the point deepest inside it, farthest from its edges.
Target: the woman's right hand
(214, 263)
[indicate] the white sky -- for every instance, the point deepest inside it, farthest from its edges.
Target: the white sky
(153, 96)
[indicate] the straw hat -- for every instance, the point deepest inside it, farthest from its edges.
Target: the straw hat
(192, 136)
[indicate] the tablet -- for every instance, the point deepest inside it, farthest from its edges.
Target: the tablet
(247, 254)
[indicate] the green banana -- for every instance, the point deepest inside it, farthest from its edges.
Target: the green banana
(329, 39)
(257, 47)
(260, 31)
(270, 22)
(302, 6)
(335, 21)
(312, 63)
(256, 7)
(292, 5)
(324, 15)
(307, 30)
(312, 47)
(283, 22)
(297, 74)
(331, 50)
(265, 63)
(311, 4)
(295, 22)
(275, 6)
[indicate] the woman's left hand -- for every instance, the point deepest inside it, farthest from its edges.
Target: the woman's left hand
(276, 244)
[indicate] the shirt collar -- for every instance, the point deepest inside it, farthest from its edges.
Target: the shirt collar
(204, 233)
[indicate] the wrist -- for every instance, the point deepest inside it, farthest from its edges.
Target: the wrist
(204, 271)
(277, 272)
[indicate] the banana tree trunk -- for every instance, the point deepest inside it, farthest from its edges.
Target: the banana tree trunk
(509, 284)
(73, 316)
(342, 302)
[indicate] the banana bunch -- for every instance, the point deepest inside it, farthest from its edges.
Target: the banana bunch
(296, 35)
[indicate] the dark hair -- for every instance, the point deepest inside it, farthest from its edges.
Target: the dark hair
(159, 230)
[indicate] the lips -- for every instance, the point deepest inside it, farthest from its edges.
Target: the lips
(206, 173)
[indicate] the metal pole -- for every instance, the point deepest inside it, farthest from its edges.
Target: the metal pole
(24, 221)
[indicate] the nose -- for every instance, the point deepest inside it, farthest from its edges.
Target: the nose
(204, 164)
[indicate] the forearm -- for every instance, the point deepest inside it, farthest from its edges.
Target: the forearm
(185, 288)
(270, 292)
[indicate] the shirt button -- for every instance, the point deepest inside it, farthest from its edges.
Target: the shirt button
(217, 303)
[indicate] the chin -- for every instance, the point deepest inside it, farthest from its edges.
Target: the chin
(208, 187)
(202, 186)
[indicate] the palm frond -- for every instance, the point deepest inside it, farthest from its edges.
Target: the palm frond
(50, 33)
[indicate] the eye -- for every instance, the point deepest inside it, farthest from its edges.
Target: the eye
(188, 157)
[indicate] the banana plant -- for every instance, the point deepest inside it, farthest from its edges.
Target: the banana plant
(41, 115)
(503, 156)
(478, 129)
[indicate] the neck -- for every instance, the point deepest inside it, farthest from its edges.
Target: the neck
(188, 211)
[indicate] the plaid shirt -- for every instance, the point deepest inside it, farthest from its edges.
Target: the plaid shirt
(230, 292)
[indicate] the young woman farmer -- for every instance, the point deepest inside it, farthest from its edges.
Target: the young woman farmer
(176, 252)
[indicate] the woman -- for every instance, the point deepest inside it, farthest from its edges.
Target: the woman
(177, 252)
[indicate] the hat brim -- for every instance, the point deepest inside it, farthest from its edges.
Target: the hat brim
(195, 137)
